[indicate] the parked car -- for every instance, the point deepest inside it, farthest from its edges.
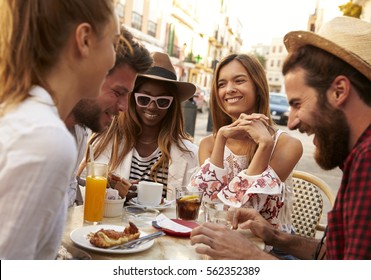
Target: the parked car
(279, 107)
(201, 98)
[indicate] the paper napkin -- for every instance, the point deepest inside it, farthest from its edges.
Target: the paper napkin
(165, 222)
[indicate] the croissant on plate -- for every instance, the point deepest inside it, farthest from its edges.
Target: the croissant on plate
(105, 238)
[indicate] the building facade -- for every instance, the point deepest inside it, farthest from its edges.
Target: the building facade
(324, 11)
(273, 66)
(195, 34)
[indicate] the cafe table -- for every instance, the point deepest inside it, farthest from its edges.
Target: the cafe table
(164, 248)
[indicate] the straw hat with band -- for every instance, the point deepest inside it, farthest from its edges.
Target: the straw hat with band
(347, 38)
(163, 70)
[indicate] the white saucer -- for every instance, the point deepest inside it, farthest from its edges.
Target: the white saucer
(164, 205)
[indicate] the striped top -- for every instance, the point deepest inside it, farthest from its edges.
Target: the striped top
(141, 168)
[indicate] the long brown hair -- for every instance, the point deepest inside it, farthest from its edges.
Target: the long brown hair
(32, 35)
(126, 129)
(256, 71)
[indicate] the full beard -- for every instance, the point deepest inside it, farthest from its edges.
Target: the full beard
(333, 134)
(87, 113)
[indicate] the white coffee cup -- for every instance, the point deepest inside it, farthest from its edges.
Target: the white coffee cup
(149, 193)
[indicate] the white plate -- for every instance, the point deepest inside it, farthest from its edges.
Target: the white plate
(80, 237)
(164, 205)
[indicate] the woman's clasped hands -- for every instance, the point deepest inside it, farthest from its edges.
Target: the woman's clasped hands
(253, 127)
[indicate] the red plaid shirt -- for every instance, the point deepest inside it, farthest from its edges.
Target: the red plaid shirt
(349, 223)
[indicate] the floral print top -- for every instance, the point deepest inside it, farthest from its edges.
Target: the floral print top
(264, 192)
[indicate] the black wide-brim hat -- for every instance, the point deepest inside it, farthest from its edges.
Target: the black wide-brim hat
(163, 70)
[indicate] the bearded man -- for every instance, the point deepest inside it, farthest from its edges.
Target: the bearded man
(328, 85)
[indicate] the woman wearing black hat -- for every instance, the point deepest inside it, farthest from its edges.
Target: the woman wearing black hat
(148, 142)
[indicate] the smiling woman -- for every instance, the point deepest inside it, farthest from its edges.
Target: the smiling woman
(148, 142)
(247, 161)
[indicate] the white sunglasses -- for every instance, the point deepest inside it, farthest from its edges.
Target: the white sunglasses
(144, 100)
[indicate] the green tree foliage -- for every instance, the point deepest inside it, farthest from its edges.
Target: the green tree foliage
(351, 10)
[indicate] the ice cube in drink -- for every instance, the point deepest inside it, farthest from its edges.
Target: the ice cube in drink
(187, 207)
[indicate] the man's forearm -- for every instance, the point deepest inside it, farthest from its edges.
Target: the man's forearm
(298, 246)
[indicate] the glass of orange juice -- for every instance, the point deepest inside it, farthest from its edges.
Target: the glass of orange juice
(95, 191)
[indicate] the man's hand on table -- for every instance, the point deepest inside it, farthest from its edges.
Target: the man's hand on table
(219, 242)
(248, 218)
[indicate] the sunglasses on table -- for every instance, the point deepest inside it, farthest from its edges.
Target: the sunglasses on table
(162, 102)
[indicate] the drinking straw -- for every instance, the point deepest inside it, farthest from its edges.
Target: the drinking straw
(91, 154)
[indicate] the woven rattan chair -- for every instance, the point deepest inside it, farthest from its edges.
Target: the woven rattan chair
(310, 192)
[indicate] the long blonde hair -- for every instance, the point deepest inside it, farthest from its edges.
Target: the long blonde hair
(32, 36)
(126, 128)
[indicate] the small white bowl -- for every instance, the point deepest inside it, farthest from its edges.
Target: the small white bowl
(113, 207)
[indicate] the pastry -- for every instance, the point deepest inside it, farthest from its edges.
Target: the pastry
(105, 238)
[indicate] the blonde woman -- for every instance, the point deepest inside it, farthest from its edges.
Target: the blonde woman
(49, 52)
(148, 142)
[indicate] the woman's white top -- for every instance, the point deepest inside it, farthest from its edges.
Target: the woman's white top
(180, 168)
(37, 157)
(264, 192)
